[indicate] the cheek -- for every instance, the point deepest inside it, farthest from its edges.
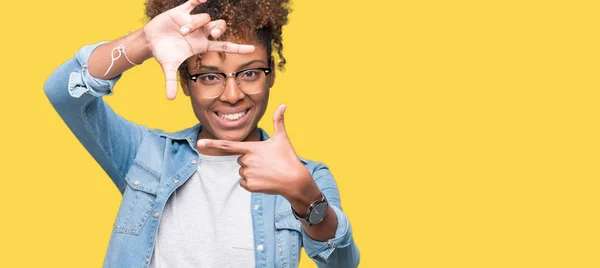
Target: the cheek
(261, 104)
(265, 96)
(200, 107)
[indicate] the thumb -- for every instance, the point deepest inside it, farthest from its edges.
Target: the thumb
(279, 126)
(170, 70)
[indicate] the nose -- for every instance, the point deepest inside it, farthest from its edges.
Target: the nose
(232, 92)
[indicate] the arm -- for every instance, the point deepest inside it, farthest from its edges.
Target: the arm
(329, 243)
(76, 94)
(76, 88)
(135, 46)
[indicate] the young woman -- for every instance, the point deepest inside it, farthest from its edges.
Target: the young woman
(221, 193)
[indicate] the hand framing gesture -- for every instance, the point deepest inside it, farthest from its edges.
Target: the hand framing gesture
(270, 166)
(175, 35)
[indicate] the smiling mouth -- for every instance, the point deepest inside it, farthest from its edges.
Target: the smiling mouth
(233, 116)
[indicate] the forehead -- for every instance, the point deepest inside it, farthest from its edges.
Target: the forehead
(231, 60)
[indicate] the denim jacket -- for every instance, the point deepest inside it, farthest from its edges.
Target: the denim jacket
(147, 165)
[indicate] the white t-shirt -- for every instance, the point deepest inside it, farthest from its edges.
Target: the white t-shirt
(207, 222)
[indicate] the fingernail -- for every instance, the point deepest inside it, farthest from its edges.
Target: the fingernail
(185, 29)
(216, 32)
(246, 49)
(201, 144)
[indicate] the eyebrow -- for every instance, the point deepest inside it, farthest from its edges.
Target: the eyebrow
(243, 66)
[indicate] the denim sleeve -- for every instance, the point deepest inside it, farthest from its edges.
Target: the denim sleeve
(77, 97)
(340, 251)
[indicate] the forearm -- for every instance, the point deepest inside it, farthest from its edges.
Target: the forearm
(135, 46)
(330, 242)
(323, 231)
(77, 97)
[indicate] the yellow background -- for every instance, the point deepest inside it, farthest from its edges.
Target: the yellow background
(461, 133)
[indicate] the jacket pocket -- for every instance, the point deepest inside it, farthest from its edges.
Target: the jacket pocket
(288, 239)
(138, 202)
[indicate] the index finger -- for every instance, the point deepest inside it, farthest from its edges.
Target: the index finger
(221, 46)
(226, 146)
(191, 4)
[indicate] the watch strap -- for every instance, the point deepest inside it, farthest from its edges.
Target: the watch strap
(310, 208)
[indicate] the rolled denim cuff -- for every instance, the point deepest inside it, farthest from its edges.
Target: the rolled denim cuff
(319, 250)
(83, 81)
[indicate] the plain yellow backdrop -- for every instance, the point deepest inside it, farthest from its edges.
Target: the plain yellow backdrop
(461, 133)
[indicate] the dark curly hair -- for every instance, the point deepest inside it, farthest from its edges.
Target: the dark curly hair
(260, 20)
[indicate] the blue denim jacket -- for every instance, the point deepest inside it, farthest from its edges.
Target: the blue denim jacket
(147, 165)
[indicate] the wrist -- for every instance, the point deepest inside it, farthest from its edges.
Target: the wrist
(303, 195)
(138, 48)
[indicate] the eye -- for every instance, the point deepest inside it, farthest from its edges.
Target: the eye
(209, 78)
(250, 75)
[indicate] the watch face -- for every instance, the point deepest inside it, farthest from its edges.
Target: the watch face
(318, 213)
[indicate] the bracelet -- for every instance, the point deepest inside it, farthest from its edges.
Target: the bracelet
(121, 50)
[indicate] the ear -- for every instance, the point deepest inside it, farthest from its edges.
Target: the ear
(183, 81)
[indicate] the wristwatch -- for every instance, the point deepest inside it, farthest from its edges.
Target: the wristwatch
(315, 213)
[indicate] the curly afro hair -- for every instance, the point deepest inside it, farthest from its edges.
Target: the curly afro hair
(260, 20)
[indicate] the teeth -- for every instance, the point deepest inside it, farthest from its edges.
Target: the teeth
(232, 117)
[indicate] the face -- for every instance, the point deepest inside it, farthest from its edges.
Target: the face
(234, 114)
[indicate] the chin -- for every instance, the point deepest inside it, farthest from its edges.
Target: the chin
(233, 135)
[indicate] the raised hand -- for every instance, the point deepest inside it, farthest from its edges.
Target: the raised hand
(270, 166)
(175, 35)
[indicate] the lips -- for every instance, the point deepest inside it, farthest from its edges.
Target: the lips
(232, 119)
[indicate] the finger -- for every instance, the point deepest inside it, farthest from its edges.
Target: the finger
(191, 4)
(219, 46)
(244, 183)
(251, 184)
(243, 160)
(170, 71)
(226, 146)
(198, 21)
(215, 28)
(244, 173)
(278, 125)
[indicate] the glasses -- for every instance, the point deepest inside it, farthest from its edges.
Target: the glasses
(212, 84)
